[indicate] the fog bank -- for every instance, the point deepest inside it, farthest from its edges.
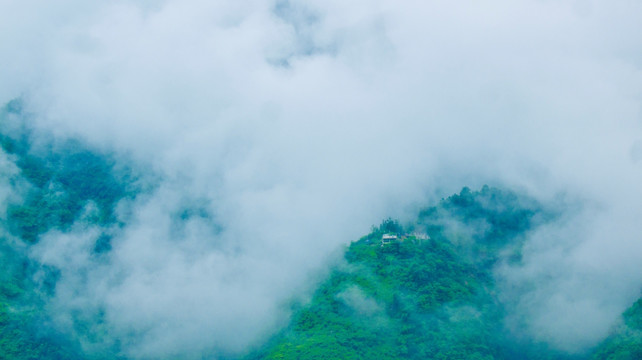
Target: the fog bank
(295, 125)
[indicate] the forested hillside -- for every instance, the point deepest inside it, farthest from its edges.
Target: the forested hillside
(50, 186)
(626, 340)
(430, 293)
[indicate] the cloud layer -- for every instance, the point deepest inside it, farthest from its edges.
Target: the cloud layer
(295, 125)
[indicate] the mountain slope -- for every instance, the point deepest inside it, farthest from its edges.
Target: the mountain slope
(429, 293)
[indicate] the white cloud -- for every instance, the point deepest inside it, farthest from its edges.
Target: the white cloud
(297, 156)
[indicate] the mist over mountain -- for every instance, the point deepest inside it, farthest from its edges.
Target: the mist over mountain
(175, 175)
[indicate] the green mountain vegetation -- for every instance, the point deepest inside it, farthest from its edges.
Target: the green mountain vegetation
(426, 291)
(430, 293)
(56, 185)
(418, 290)
(626, 340)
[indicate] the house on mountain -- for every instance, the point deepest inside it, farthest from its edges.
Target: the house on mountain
(387, 239)
(414, 236)
(420, 235)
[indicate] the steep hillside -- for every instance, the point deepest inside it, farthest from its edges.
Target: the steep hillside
(421, 291)
(49, 186)
(625, 341)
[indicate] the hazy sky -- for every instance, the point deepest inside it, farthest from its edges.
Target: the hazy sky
(298, 124)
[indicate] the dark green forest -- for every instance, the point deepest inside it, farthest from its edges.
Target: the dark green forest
(424, 289)
(430, 294)
(56, 185)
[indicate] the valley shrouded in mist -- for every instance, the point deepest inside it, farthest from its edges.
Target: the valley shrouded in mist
(302, 179)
